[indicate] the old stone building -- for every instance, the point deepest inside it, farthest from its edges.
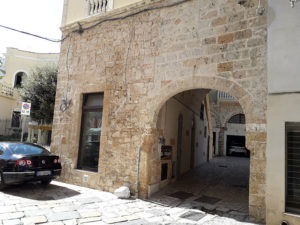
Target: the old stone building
(18, 66)
(228, 122)
(134, 80)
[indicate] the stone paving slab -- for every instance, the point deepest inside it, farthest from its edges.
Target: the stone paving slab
(72, 205)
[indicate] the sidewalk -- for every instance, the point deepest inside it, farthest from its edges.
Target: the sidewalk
(61, 203)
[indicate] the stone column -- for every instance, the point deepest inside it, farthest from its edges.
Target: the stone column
(221, 147)
(256, 143)
(39, 140)
(29, 134)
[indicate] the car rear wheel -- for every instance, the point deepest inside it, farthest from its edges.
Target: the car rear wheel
(46, 182)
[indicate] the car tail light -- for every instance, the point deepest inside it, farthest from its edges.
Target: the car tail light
(56, 161)
(21, 162)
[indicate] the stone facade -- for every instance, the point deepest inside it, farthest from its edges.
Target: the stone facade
(139, 63)
(222, 110)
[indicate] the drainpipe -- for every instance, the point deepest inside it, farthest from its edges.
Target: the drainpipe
(138, 173)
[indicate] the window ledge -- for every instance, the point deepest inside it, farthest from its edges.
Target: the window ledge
(86, 171)
(291, 214)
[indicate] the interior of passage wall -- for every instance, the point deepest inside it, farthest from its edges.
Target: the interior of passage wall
(168, 126)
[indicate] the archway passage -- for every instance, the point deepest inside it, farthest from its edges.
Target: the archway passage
(204, 164)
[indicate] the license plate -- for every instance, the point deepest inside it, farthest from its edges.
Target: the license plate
(43, 173)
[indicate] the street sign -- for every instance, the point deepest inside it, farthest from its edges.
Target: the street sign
(25, 110)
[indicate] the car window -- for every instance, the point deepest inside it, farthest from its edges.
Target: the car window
(1, 150)
(24, 149)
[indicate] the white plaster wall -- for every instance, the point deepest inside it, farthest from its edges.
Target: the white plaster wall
(281, 109)
(201, 142)
(283, 47)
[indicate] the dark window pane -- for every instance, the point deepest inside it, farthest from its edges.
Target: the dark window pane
(202, 112)
(93, 100)
(90, 132)
(20, 79)
(15, 121)
(292, 167)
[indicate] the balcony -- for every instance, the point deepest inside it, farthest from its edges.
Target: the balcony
(94, 7)
(6, 91)
(222, 96)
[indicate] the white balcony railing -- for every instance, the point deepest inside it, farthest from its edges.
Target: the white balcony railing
(222, 96)
(6, 91)
(94, 7)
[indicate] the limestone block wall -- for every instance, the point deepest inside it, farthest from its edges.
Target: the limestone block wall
(139, 63)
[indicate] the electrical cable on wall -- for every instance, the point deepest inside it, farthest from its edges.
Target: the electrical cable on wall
(65, 101)
(81, 30)
(30, 34)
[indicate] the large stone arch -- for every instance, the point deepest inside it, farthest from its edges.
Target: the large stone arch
(255, 133)
(160, 95)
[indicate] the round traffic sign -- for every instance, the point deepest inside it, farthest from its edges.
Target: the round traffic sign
(26, 106)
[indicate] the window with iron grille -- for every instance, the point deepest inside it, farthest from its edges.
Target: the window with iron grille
(238, 118)
(292, 192)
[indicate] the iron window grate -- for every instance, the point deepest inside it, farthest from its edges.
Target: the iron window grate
(292, 193)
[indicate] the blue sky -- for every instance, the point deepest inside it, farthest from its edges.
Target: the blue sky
(42, 17)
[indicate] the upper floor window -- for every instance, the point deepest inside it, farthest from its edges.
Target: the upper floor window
(20, 79)
(238, 118)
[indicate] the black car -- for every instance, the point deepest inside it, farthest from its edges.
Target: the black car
(21, 162)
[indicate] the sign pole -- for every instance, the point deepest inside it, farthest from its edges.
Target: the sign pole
(23, 125)
(25, 111)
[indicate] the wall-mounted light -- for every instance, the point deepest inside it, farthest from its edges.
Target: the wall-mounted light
(293, 2)
(260, 9)
(65, 104)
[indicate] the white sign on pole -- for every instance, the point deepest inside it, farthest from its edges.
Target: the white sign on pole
(25, 110)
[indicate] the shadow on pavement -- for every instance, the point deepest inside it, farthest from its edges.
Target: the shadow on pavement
(220, 188)
(37, 191)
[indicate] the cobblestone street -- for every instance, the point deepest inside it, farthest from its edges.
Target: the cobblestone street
(61, 203)
(220, 187)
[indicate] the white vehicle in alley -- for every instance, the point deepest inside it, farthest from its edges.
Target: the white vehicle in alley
(241, 150)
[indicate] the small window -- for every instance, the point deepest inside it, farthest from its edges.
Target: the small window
(292, 192)
(91, 124)
(202, 112)
(238, 118)
(20, 79)
(15, 120)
